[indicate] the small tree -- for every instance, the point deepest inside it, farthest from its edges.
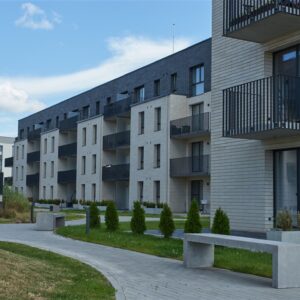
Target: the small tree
(221, 223)
(166, 223)
(137, 223)
(193, 224)
(284, 220)
(111, 216)
(94, 216)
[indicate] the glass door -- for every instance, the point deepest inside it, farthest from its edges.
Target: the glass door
(197, 191)
(197, 117)
(197, 158)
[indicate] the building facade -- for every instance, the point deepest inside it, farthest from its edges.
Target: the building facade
(144, 136)
(6, 150)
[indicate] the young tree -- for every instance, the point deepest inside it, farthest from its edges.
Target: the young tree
(111, 217)
(166, 223)
(94, 216)
(221, 224)
(193, 223)
(137, 223)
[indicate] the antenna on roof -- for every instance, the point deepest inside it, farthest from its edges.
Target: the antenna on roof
(173, 35)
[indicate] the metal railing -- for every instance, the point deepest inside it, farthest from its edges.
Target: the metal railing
(262, 105)
(117, 108)
(64, 177)
(238, 14)
(116, 140)
(8, 162)
(34, 134)
(33, 179)
(190, 166)
(193, 125)
(33, 157)
(67, 150)
(68, 124)
(115, 172)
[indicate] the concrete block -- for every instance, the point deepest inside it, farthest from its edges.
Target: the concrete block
(49, 221)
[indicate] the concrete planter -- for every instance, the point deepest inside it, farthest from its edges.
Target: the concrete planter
(152, 211)
(284, 236)
(42, 205)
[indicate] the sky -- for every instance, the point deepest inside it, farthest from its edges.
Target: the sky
(53, 50)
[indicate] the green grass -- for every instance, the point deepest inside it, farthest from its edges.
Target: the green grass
(30, 273)
(227, 258)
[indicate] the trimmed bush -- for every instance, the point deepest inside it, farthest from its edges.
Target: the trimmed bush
(193, 224)
(94, 216)
(284, 220)
(137, 223)
(221, 223)
(111, 217)
(166, 223)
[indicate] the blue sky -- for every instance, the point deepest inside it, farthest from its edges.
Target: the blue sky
(51, 50)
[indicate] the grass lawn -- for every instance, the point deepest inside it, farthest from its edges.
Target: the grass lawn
(30, 273)
(227, 258)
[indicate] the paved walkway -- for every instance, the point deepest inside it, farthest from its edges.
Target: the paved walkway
(140, 276)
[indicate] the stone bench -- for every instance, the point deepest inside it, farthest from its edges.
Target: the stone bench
(199, 253)
(49, 221)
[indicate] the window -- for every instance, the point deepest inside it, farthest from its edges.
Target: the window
(48, 124)
(83, 192)
(84, 136)
(23, 151)
(98, 108)
(94, 134)
(108, 100)
(17, 173)
(44, 192)
(57, 122)
(21, 133)
(197, 84)
(83, 165)
(139, 93)
(156, 88)
(22, 173)
(45, 146)
(157, 191)
(197, 117)
(52, 144)
(52, 169)
(94, 164)
(45, 169)
(141, 122)
(85, 112)
(157, 119)
(51, 192)
(157, 156)
(174, 82)
(141, 158)
(141, 190)
(94, 192)
(17, 152)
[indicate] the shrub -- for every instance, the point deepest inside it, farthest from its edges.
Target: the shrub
(137, 223)
(111, 217)
(7, 213)
(221, 223)
(149, 204)
(105, 202)
(94, 216)
(284, 220)
(159, 205)
(193, 224)
(166, 223)
(14, 201)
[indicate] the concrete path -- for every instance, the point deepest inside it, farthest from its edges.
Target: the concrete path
(140, 276)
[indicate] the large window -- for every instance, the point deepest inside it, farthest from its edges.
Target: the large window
(141, 122)
(94, 134)
(45, 146)
(52, 144)
(173, 82)
(157, 118)
(85, 112)
(141, 158)
(157, 156)
(83, 165)
(156, 88)
(197, 84)
(157, 191)
(94, 164)
(141, 191)
(84, 136)
(139, 93)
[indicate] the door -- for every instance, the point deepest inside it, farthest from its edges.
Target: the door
(197, 117)
(197, 157)
(197, 191)
(287, 182)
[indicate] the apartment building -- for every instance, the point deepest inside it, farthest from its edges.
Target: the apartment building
(255, 123)
(144, 136)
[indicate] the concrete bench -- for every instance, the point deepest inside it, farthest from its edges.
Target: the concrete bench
(199, 253)
(49, 221)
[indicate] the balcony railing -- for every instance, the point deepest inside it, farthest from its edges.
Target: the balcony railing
(117, 108)
(115, 172)
(261, 109)
(190, 166)
(64, 177)
(68, 124)
(116, 140)
(8, 181)
(8, 162)
(69, 150)
(34, 134)
(260, 20)
(190, 126)
(1, 183)
(33, 157)
(33, 179)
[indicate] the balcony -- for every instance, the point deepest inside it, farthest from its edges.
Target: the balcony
(190, 166)
(33, 157)
(189, 127)
(34, 134)
(262, 109)
(260, 21)
(8, 181)
(8, 162)
(118, 108)
(64, 177)
(116, 140)
(69, 150)
(33, 179)
(68, 124)
(115, 172)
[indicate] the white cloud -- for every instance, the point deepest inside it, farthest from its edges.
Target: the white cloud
(16, 100)
(36, 18)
